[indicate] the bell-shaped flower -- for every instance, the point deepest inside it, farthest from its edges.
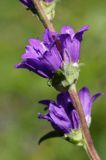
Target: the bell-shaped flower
(63, 116)
(48, 56)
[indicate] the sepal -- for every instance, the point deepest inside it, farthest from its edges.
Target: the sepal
(65, 77)
(51, 134)
(75, 137)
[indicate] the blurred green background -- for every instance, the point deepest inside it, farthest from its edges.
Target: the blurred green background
(20, 90)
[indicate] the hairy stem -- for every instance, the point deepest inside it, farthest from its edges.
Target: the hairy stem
(42, 16)
(72, 91)
(86, 133)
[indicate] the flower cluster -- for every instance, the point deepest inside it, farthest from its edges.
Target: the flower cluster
(56, 58)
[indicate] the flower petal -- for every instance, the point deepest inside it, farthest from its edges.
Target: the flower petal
(79, 34)
(27, 3)
(84, 96)
(49, 37)
(53, 58)
(46, 116)
(60, 118)
(93, 98)
(71, 47)
(68, 30)
(75, 119)
(36, 66)
(63, 99)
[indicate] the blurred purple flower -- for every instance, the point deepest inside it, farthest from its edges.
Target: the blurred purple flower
(49, 1)
(28, 3)
(45, 58)
(62, 114)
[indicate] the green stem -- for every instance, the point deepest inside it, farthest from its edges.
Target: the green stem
(86, 133)
(42, 16)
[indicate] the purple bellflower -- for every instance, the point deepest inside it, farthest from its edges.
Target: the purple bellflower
(48, 56)
(27, 3)
(62, 114)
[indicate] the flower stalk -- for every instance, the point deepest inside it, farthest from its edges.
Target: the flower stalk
(42, 16)
(86, 133)
(89, 146)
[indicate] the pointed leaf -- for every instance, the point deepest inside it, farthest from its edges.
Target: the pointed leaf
(51, 134)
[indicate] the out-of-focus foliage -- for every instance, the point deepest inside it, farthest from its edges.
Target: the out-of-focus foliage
(20, 90)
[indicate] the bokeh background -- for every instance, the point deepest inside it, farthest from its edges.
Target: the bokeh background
(20, 90)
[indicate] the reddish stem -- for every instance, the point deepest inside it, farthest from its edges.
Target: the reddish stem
(42, 16)
(86, 133)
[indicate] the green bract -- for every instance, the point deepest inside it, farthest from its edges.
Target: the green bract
(49, 9)
(65, 77)
(75, 137)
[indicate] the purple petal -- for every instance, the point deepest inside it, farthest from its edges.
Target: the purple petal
(86, 101)
(63, 99)
(46, 116)
(84, 96)
(68, 30)
(27, 3)
(71, 43)
(53, 58)
(79, 34)
(70, 48)
(49, 37)
(38, 45)
(60, 118)
(37, 67)
(94, 97)
(46, 102)
(35, 50)
(75, 119)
